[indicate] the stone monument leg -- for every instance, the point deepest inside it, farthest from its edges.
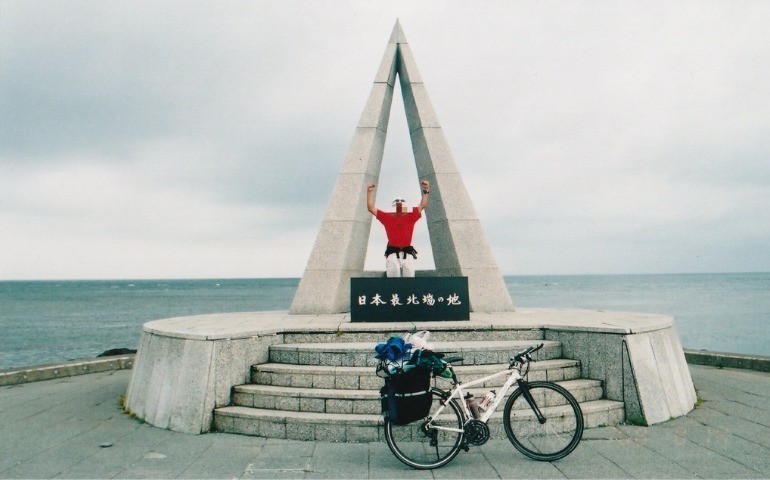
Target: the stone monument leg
(339, 251)
(457, 239)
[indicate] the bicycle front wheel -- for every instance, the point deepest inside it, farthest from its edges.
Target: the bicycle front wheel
(423, 447)
(545, 425)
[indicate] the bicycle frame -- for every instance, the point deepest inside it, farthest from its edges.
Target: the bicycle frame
(514, 376)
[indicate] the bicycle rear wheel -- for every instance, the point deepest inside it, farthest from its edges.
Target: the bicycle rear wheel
(559, 431)
(425, 448)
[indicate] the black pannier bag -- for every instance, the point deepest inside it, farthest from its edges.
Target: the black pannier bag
(406, 397)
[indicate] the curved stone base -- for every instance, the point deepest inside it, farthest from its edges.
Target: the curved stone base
(186, 367)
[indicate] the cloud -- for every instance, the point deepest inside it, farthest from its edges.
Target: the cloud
(193, 139)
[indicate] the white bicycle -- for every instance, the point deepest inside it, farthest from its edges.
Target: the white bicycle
(542, 419)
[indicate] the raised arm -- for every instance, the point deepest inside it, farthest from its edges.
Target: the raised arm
(425, 186)
(370, 199)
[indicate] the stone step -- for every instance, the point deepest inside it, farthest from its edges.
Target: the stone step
(313, 426)
(361, 354)
(327, 389)
(439, 331)
(336, 401)
(350, 378)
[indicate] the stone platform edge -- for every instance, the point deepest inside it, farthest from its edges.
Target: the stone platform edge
(759, 363)
(37, 373)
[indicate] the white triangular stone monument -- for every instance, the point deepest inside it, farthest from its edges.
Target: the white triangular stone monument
(457, 239)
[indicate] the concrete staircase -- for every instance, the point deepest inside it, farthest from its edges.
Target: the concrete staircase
(323, 386)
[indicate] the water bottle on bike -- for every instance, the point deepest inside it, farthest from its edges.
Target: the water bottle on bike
(470, 400)
(486, 402)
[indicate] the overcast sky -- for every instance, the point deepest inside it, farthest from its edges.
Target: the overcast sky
(159, 139)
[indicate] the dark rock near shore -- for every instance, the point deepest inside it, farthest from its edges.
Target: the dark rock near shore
(116, 351)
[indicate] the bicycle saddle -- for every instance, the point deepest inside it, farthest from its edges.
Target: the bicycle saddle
(452, 359)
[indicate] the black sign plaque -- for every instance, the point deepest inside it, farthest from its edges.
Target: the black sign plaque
(383, 299)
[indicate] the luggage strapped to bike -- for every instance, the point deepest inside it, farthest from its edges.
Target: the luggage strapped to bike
(406, 395)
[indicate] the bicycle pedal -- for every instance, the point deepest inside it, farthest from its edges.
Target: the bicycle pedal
(465, 447)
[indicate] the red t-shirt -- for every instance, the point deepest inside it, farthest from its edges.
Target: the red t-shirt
(399, 228)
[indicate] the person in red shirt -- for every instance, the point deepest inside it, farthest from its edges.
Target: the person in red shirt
(399, 226)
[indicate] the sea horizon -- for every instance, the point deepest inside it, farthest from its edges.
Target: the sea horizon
(108, 279)
(47, 321)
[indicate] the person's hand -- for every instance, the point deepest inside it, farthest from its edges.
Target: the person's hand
(425, 186)
(370, 188)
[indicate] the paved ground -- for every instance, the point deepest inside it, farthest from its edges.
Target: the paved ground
(74, 428)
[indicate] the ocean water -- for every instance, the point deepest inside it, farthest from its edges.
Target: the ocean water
(51, 321)
(728, 312)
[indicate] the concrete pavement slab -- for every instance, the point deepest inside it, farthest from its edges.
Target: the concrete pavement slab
(693, 449)
(507, 462)
(382, 464)
(636, 460)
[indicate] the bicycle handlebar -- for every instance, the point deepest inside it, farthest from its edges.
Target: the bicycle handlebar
(525, 355)
(522, 357)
